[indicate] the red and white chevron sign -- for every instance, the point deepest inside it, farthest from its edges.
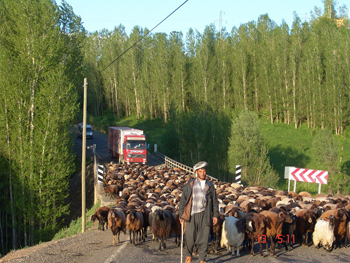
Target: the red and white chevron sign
(309, 176)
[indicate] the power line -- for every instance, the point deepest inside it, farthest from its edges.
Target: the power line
(50, 105)
(143, 36)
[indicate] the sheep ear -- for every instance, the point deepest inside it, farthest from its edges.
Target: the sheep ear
(250, 226)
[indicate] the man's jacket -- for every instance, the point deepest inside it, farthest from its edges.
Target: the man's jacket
(211, 208)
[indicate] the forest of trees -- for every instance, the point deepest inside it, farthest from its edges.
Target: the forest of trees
(40, 78)
(198, 84)
(298, 74)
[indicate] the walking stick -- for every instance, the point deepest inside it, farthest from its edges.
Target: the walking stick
(182, 238)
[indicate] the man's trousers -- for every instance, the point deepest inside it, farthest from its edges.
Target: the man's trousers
(197, 235)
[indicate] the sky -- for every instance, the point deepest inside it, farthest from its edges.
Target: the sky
(195, 14)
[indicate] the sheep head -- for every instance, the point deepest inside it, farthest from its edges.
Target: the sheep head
(159, 214)
(93, 218)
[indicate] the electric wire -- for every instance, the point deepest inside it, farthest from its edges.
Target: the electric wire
(143, 36)
(49, 106)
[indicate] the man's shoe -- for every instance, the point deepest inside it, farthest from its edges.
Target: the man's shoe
(188, 259)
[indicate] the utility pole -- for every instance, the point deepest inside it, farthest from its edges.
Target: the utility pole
(83, 163)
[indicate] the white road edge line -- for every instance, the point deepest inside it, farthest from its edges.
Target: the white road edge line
(114, 256)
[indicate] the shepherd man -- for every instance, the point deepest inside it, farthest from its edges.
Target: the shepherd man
(200, 209)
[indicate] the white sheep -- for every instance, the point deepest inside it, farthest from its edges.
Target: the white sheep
(323, 234)
(307, 199)
(232, 233)
(285, 201)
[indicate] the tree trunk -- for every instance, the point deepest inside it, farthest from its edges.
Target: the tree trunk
(41, 169)
(116, 97)
(22, 173)
(294, 99)
(31, 153)
(13, 215)
(256, 84)
(2, 240)
(224, 82)
(182, 94)
(287, 102)
(244, 83)
(138, 113)
(165, 106)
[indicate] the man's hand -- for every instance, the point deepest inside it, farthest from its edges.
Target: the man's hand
(181, 221)
(215, 221)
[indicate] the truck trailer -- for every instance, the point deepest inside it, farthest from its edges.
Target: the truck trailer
(127, 144)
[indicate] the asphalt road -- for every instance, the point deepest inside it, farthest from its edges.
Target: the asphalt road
(101, 141)
(96, 246)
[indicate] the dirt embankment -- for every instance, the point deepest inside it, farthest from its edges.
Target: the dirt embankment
(74, 198)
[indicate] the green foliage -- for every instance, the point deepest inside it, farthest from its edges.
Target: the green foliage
(101, 123)
(325, 150)
(296, 75)
(40, 66)
(338, 184)
(197, 136)
(248, 149)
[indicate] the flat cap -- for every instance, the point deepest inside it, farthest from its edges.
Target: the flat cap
(200, 165)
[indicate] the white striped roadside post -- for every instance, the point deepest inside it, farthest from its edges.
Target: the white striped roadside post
(100, 172)
(238, 174)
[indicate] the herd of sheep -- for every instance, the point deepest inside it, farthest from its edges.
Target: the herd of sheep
(148, 198)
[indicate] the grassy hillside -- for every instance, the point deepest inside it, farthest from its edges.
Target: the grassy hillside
(292, 147)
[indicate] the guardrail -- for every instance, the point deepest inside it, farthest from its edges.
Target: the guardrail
(172, 163)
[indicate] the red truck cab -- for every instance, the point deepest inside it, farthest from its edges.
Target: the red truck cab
(127, 144)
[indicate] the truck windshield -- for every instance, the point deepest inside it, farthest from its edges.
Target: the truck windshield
(136, 145)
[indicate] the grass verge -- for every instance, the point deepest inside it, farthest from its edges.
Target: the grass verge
(75, 226)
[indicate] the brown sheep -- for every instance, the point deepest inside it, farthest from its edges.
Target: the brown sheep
(117, 223)
(294, 195)
(271, 202)
(215, 233)
(145, 212)
(233, 210)
(274, 222)
(262, 203)
(347, 239)
(305, 194)
(134, 222)
(112, 190)
(255, 229)
(305, 220)
(246, 206)
(176, 229)
(162, 223)
(101, 215)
